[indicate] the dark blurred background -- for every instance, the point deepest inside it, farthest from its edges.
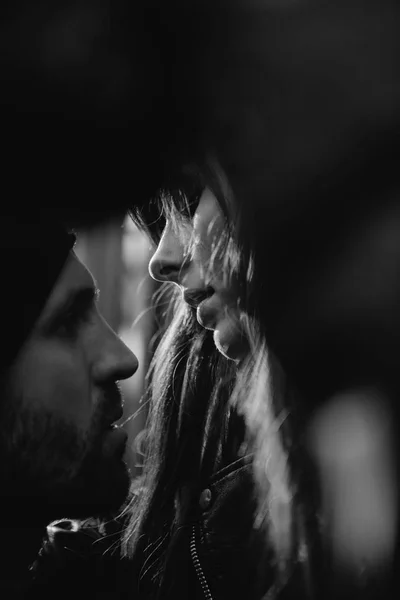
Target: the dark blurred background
(81, 104)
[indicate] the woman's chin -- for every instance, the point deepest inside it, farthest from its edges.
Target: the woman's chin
(233, 347)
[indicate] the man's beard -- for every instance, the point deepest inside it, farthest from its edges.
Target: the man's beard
(49, 469)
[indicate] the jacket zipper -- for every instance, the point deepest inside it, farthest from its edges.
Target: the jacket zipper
(197, 566)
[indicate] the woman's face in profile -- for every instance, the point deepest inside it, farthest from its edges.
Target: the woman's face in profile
(193, 255)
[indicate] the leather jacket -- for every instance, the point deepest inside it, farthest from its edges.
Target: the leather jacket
(219, 559)
(224, 547)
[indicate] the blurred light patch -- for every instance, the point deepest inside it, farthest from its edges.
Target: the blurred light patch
(136, 324)
(118, 257)
(353, 444)
(136, 292)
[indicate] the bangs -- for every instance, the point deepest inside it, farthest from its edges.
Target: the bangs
(177, 201)
(180, 196)
(149, 219)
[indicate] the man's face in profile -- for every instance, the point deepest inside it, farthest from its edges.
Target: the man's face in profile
(60, 402)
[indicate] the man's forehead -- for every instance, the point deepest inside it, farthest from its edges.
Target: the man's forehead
(73, 278)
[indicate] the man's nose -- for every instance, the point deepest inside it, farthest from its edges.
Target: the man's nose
(115, 361)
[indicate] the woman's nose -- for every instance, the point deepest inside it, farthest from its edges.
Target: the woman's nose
(162, 269)
(167, 261)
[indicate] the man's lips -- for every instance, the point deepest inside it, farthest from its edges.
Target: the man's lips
(110, 419)
(112, 403)
(114, 441)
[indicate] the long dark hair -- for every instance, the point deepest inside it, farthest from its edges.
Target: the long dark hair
(194, 409)
(192, 427)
